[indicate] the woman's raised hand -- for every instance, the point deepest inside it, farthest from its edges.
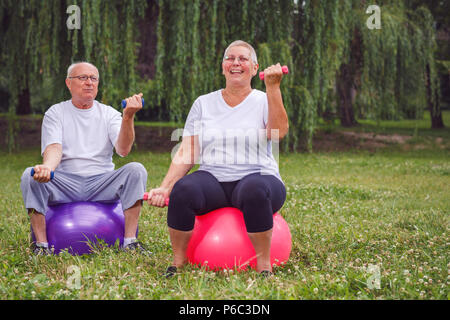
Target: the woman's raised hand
(273, 75)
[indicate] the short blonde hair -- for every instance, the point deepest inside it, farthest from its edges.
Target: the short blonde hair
(241, 43)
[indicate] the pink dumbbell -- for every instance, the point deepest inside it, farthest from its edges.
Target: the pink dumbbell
(145, 198)
(283, 68)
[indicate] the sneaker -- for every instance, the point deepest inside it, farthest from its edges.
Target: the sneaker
(40, 251)
(137, 246)
(266, 274)
(170, 272)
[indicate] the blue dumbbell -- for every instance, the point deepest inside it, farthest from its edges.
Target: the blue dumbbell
(124, 103)
(52, 173)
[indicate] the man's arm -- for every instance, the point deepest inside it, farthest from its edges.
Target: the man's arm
(52, 157)
(126, 134)
(126, 137)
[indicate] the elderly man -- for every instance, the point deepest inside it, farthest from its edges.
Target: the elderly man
(78, 137)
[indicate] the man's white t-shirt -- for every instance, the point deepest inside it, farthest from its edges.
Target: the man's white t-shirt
(87, 136)
(232, 140)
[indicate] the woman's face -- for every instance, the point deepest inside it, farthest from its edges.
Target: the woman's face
(238, 67)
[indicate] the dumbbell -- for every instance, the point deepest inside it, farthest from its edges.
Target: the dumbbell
(145, 198)
(283, 68)
(52, 173)
(124, 103)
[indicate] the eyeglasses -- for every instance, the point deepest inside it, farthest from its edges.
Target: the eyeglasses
(231, 59)
(84, 78)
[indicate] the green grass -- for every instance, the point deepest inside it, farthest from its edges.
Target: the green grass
(348, 213)
(417, 128)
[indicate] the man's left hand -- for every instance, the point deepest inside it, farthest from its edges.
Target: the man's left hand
(134, 104)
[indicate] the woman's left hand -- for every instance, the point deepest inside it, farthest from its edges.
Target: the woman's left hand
(273, 75)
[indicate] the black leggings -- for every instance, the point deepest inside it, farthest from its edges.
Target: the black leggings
(257, 196)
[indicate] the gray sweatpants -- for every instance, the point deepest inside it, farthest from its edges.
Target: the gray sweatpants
(126, 184)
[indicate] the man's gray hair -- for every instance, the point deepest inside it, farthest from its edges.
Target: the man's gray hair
(241, 43)
(73, 65)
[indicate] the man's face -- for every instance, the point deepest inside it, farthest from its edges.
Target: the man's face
(83, 90)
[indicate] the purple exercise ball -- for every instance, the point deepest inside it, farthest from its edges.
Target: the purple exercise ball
(76, 226)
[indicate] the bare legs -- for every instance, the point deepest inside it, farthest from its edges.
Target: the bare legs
(37, 221)
(180, 241)
(261, 243)
(131, 219)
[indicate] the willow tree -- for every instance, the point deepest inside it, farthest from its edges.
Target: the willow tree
(337, 64)
(192, 36)
(321, 45)
(29, 47)
(37, 47)
(399, 73)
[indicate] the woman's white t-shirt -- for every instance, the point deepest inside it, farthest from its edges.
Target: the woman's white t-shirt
(87, 136)
(233, 141)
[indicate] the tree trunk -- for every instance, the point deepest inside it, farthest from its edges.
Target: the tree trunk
(24, 103)
(147, 50)
(433, 104)
(344, 90)
(348, 80)
(437, 122)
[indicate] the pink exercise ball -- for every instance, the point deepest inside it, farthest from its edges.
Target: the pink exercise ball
(220, 241)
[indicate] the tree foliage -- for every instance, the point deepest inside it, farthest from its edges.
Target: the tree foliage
(386, 73)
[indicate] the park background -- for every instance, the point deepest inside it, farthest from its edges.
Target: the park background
(365, 162)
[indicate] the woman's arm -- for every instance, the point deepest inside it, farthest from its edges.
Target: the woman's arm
(183, 161)
(277, 119)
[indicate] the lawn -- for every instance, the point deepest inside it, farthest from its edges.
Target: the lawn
(365, 225)
(414, 127)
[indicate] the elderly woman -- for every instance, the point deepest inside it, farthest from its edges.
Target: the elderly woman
(237, 168)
